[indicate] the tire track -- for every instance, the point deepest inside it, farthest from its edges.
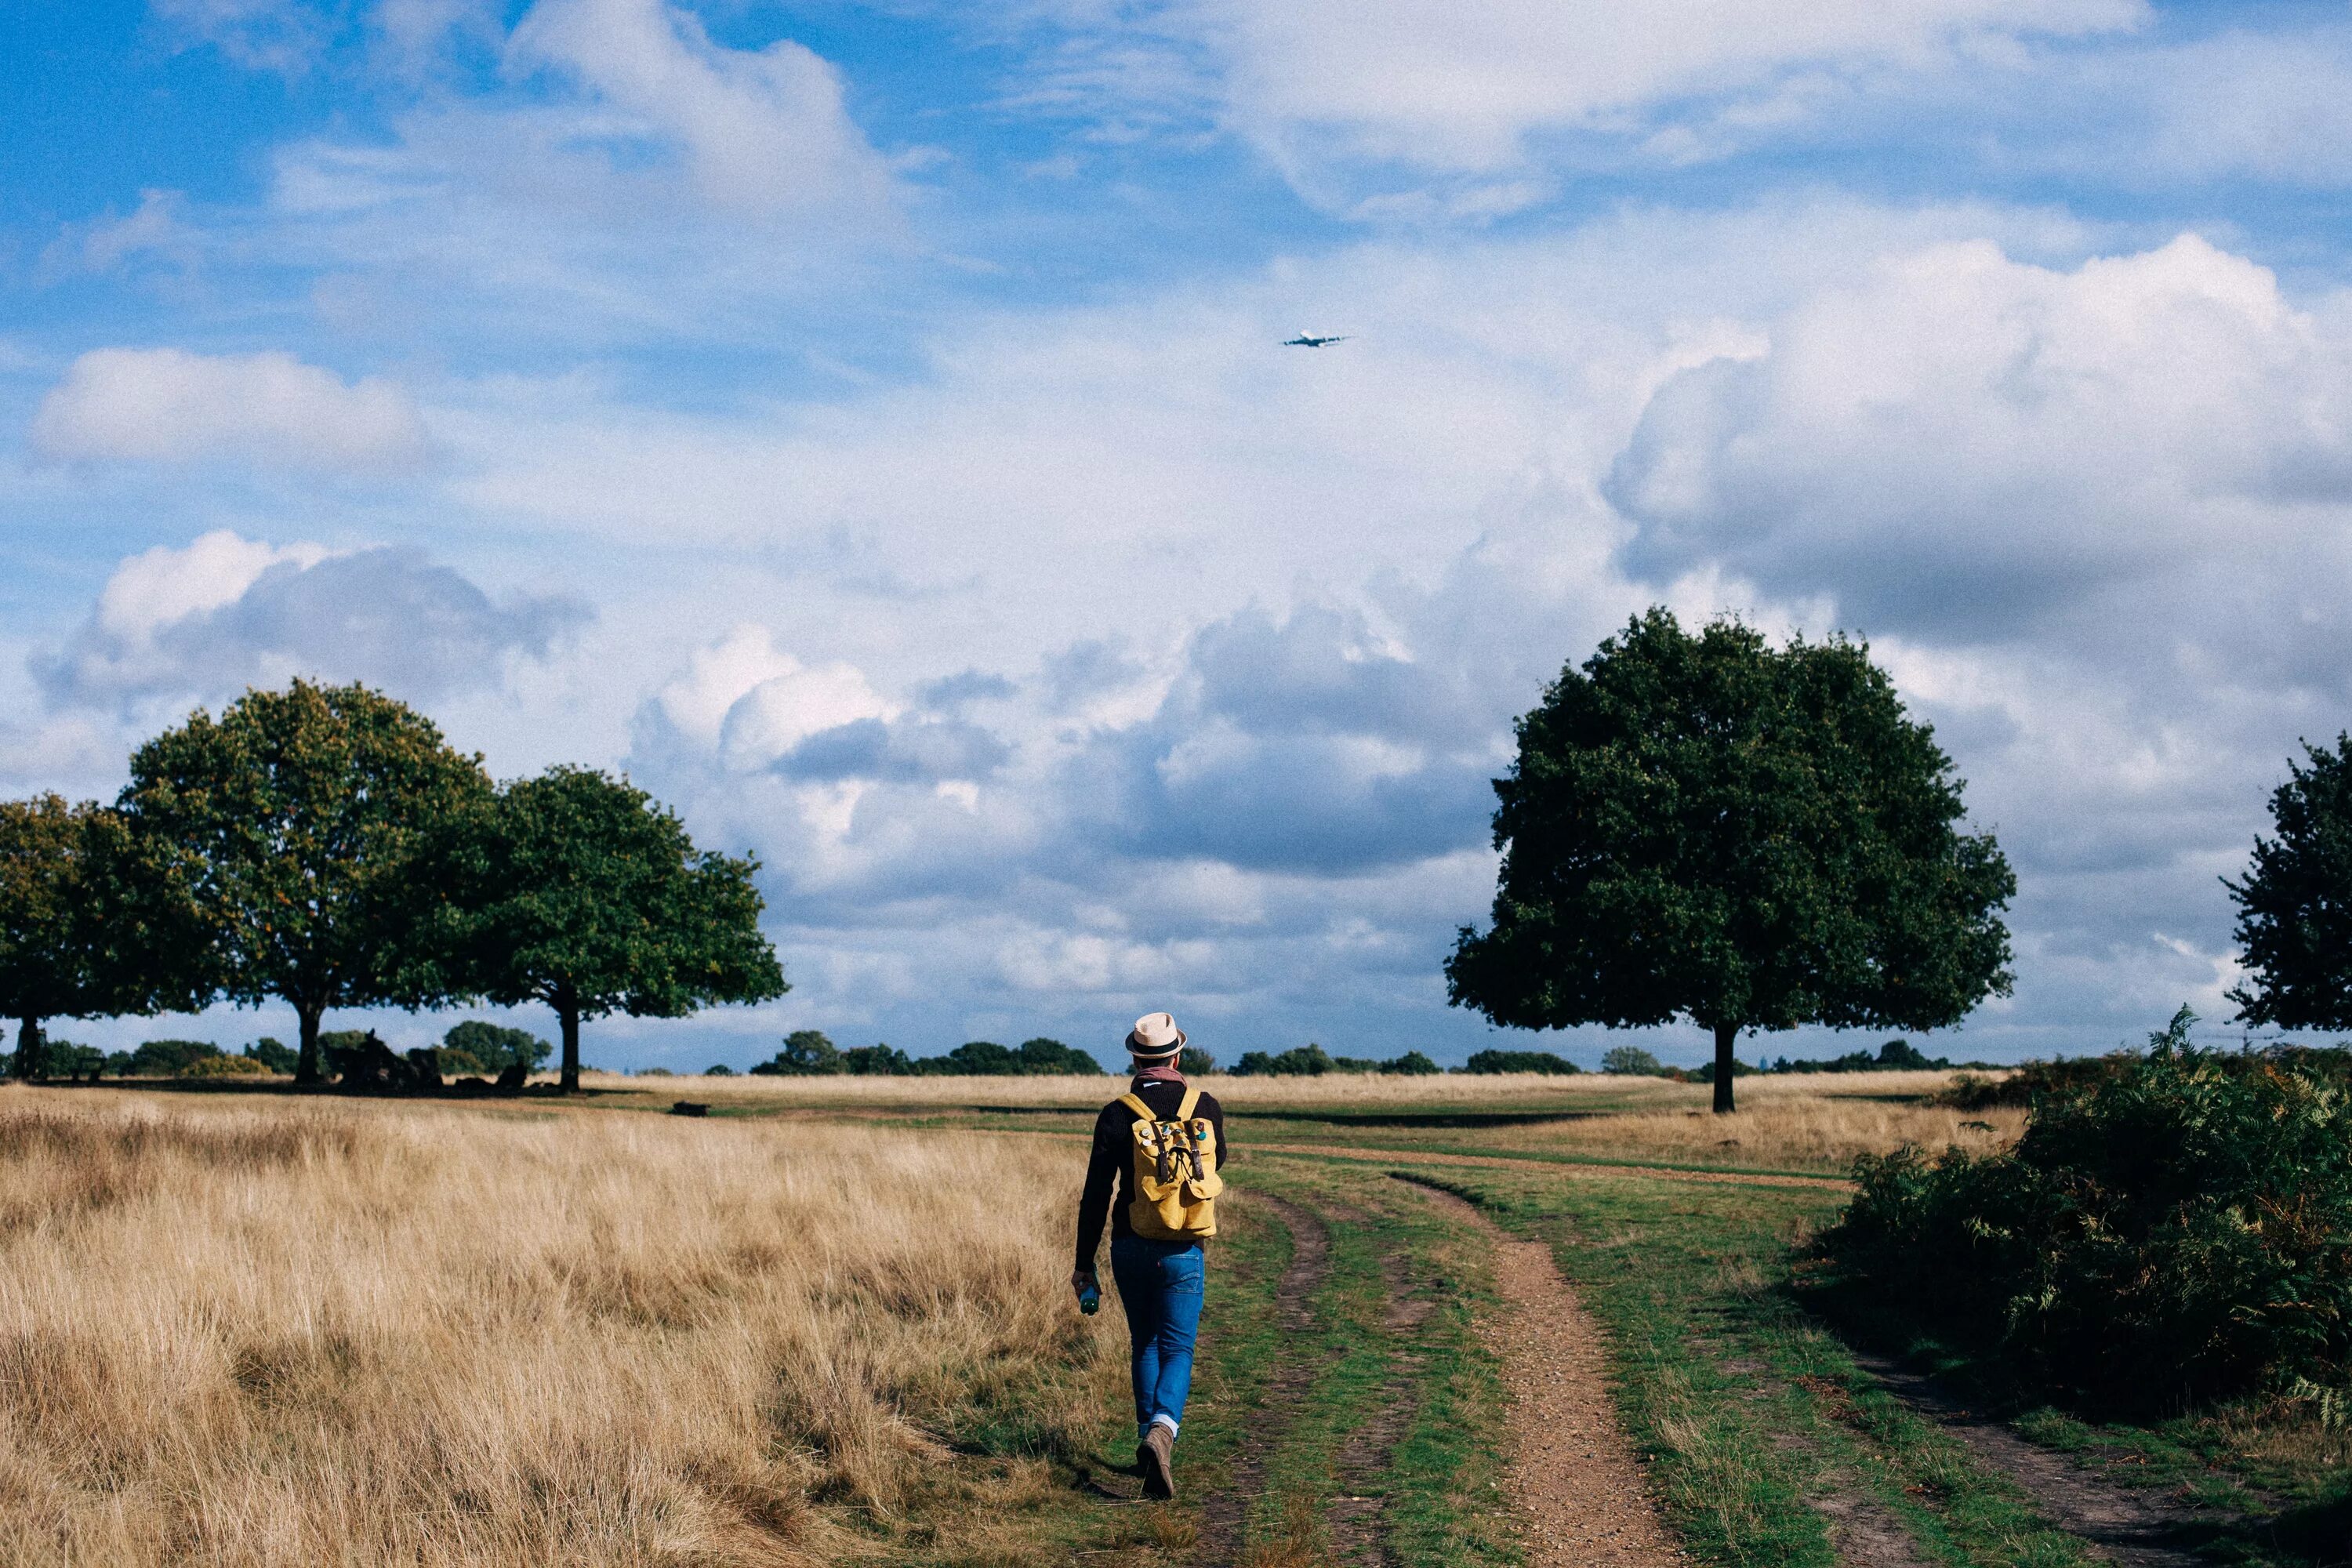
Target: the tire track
(2134, 1527)
(1224, 1512)
(1357, 1514)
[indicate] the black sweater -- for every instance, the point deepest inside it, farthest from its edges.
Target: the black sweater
(1112, 1164)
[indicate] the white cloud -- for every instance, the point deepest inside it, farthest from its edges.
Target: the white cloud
(1420, 108)
(1456, 87)
(1964, 442)
(227, 611)
(761, 130)
(157, 228)
(743, 698)
(268, 35)
(271, 409)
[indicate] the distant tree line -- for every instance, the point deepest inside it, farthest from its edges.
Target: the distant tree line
(326, 847)
(808, 1053)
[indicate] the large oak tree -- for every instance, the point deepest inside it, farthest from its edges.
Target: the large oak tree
(1749, 838)
(578, 891)
(294, 821)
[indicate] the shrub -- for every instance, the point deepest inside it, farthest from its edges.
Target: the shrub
(2033, 1082)
(719, 1070)
(2177, 1225)
(274, 1054)
(168, 1058)
(219, 1066)
(1519, 1061)
(342, 1050)
(1195, 1061)
(1630, 1061)
(460, 1063)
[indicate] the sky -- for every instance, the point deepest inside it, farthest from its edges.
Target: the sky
(868, 428)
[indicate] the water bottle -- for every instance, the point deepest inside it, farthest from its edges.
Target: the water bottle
(1089, 1299)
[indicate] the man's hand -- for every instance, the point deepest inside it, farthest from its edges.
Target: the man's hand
(1080, 1279)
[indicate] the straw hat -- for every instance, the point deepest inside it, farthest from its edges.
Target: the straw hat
(1155, 1037)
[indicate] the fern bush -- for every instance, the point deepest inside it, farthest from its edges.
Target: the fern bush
(2177, 1228)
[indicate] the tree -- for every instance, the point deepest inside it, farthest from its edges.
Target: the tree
(1043, 1056)
(493, 1048)
(807, 1053)
(69, 920)
(1630, 1061)
(578, 891)
(273, 1054)
(294, 823)
(876, 1062)
(1750, 838)
(975, 1058)
(2294, 906)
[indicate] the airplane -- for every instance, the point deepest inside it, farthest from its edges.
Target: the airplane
(1310, 341)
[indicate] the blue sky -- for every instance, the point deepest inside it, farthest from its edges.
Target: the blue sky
(867, 427)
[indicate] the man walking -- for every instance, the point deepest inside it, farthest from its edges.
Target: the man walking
(1159, 1145)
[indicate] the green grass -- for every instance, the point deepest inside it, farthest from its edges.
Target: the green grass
(1746, 1409)
(1440, 1484)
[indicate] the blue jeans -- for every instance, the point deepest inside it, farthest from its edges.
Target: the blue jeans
(1159, 1285)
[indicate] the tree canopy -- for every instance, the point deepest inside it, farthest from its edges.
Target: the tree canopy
(293, 822)
(63, 893)
(577, 890)
(492, 1047)
(2294, 906)
(1707, 827)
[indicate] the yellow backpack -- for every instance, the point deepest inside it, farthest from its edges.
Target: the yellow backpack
(1176, 1179)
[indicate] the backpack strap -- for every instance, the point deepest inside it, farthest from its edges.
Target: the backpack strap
(1192, 1099)
(1135, 1102)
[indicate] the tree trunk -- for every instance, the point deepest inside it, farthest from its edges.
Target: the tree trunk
(1725, 1034)
(569, 1012)
(306, 1066)
(32, 1053)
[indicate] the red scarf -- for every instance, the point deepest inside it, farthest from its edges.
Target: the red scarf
(1164, 1073)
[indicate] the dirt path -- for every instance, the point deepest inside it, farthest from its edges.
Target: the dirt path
(2127, 1525)
(1223, 1512)
(1574, 1484)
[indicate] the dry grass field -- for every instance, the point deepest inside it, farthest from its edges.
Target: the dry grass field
(241, 1328)
(249, 1332)
(1794, 1122)
(1817, 1122)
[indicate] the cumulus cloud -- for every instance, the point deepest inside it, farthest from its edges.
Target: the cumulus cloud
(1960, 442)
(901, 750)
(747, 701)
(227, 612)
(170, 405)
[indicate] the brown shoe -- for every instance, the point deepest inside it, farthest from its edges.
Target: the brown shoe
(1157, 1457)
